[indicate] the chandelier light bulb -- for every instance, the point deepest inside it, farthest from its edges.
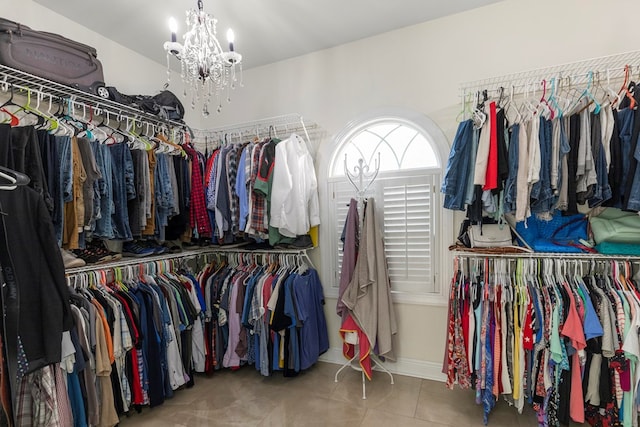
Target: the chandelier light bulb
(173, 27)
(230, 38)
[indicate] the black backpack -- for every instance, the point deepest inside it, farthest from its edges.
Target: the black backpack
(165, 105)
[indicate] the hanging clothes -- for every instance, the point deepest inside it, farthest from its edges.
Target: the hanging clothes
(269, 316)
(545, 161)
(138, 341)
(368, 295)
(574, 344)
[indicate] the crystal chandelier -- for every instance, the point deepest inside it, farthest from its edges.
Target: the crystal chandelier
(207, 71)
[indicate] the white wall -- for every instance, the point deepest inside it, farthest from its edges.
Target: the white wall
(420, 68)
(128, 71)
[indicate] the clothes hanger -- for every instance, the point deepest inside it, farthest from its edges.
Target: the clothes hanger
(99, 134)
(118, 132)
(479, 116)
(30, 111)
(543, 104)
(628, 94)
(610, 94)
(13, 119)
(587, 95)
(553, 99)
(69, 118)
(138, 140)
(512, 106)
(13, 178)
(530, 102)
(113, 136)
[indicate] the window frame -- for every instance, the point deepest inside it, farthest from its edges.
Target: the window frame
(441, 260)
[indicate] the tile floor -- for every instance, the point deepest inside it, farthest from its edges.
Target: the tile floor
(244, 398)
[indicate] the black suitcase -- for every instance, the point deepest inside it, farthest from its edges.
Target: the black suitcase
(51, 56)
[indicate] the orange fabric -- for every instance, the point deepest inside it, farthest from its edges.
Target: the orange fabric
(107, 331)
(348, 350)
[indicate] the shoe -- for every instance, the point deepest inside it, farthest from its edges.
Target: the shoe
(302, 242)
(92, 255)
(70, 260)
(99, 248)
(136, 250)
(173, 246)
(151, 244)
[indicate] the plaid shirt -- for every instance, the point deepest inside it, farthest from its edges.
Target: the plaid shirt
(258, 206)
(36, 400)
(64, 405)
(199, 219)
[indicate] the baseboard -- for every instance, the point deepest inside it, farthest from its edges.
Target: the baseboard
(403, 366)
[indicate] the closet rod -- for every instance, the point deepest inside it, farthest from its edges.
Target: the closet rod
(611, 66)
(297, 252)
(263, 251)
(137, 261)
(20, 79)
(188, 254)
(561, 256)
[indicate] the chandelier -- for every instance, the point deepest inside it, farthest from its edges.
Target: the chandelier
(208, 72)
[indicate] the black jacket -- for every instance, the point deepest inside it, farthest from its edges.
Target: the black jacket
(44, 310)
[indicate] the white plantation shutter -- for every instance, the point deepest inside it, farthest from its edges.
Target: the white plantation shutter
(404, 206)
(408, 233)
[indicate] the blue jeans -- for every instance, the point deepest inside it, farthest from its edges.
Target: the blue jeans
(123, 189)
(65, 181)
(103, 188)
(542, 198)
(602, 190)
(164, 194)
(454, 184)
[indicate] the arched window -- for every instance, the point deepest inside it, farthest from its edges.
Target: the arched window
(411, 152)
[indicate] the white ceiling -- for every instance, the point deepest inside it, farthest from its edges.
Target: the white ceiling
(266, 31)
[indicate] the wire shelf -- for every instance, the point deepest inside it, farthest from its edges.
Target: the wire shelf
(607, 68)
(26, 82)
(277, 126)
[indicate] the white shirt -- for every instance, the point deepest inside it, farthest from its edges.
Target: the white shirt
(482, 155)
(606, 125)
(294, 193)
